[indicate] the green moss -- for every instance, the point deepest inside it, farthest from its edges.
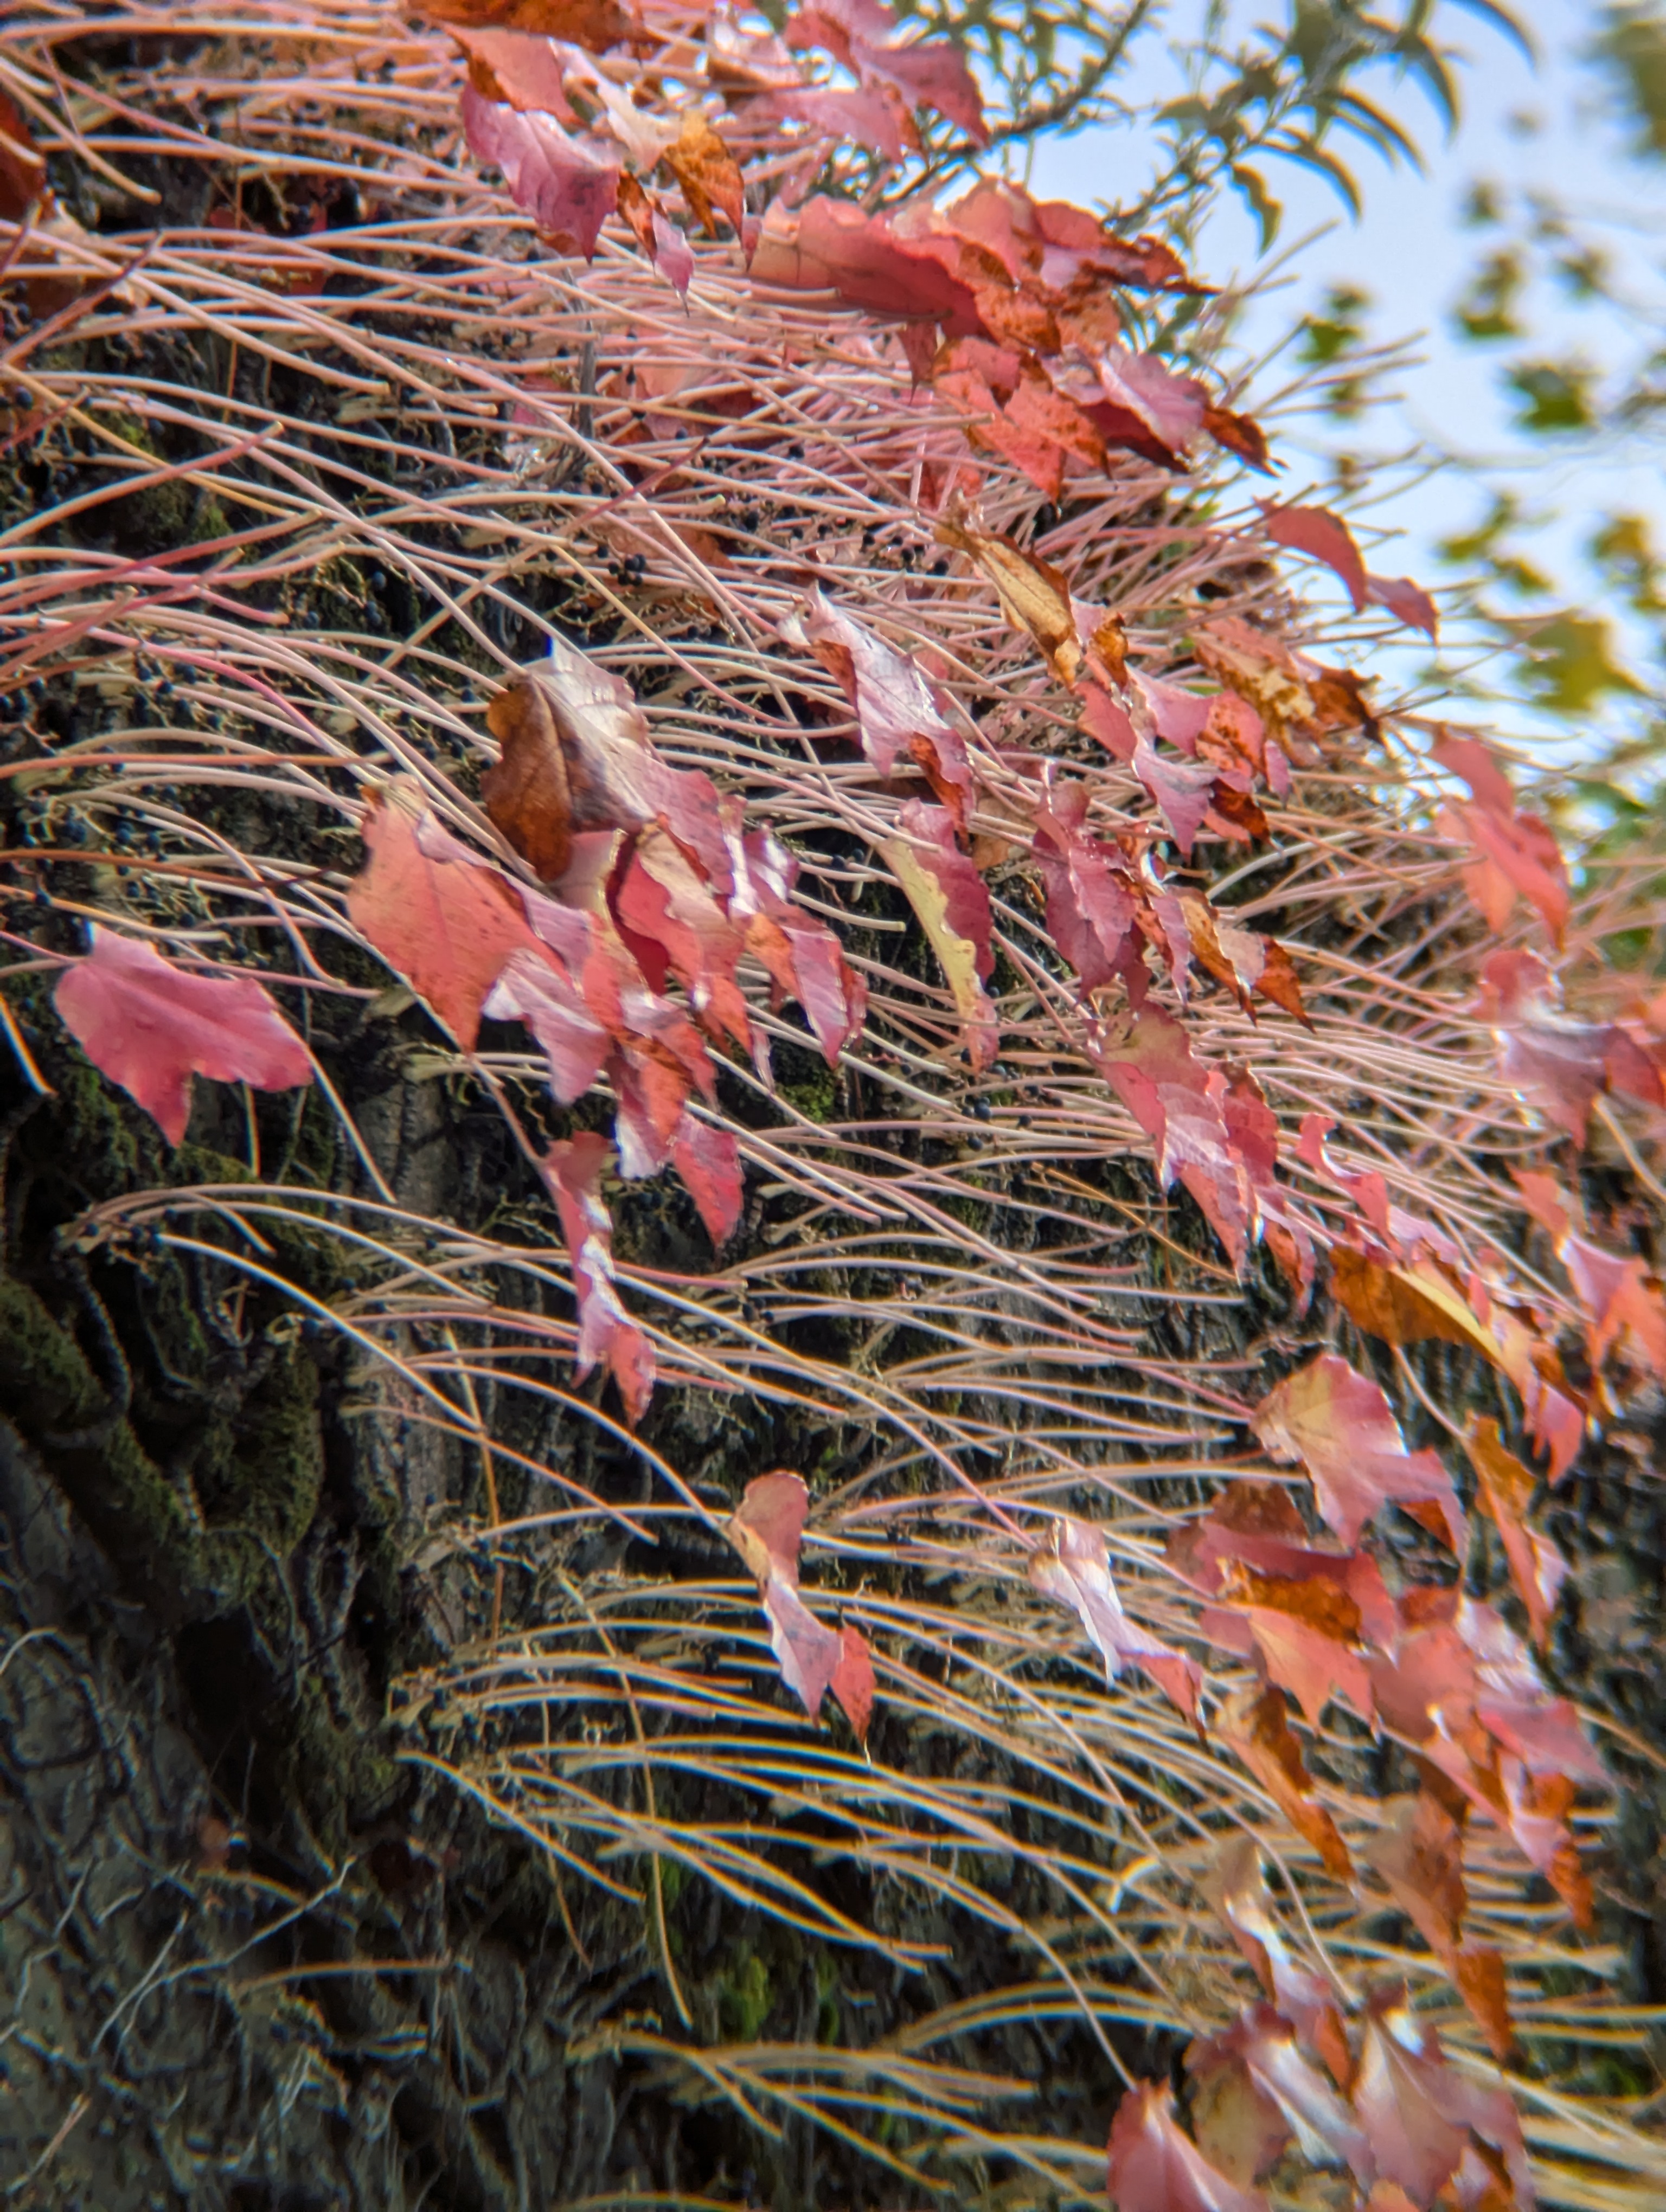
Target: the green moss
(815, 1098)
(744, 1997)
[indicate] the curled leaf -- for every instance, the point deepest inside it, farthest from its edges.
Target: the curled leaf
(1074, 1567)
(950, 897)
(1153, 2167)
(607, 1336)
(766, 1529)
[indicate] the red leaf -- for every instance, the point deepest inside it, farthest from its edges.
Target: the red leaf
(1182, 790)
(896, 717)
(445, 921)
(802, 954)
(1155, 2168)
(1237, 1889)
(765, 1529)
(1405, 601)
(1261, 2045)
(1324, 536)
(1418, 2113)
(951, 898)
(1257, 1728)
(876, 119)
(1074, 1567)
(930, 74)
(853, 1681)
(1504, 1487)
(522, 68)
(708, 1161)
(567, 186)
(661, 902)
(597, 24)
(833, 245)
(607, 1336)
(656, 234)
(1516, 855)
(1179, 1104)
(1255, 1524)
(1341, 1428)
(534, 990)
(1554, 1064)
(149, 1026)
(1242, 959)
(1139, 403)
(1092, 898)
(1307, 1632)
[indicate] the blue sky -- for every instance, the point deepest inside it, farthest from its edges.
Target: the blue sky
(1524, 129)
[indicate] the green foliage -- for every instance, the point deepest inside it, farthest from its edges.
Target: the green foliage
(1569, 662)
(1631, 47)
(1487, 309)
(1555, 395)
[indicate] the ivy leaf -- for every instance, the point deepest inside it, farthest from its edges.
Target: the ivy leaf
(1073, 1566)
(1236, 1890)
(897, 718)
(149, 1026)
(569, 188)
(607, 1336)
(1261, 2046)
(1257, 1728)
(1341, 1428)
(444, 920)
(708, 1159)
(1153, 2167)
(766, 1528)
(708, 174)
(656, 234)
(597, 24)
(952, 902)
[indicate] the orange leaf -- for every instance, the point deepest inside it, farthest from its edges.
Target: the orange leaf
(1034, 595)
(1258, 1729)
(711, 180)
(1505, 1486)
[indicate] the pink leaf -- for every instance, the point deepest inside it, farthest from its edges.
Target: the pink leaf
(523, 67)
(765, 1529)
(1405, 601)
(607, 1336)
(1153, 2167)
(1554, 1064)
(663, 903)
(1179, 1104)
(896, 717)
(149, 1026)
(569, 190)
(1341, 1428)
(1093, 898)
(853, 1681)
(708, 1161)
(877, 120)
(1074, 1567)
(801, 953)
(1183, 790)
(574, 1043)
